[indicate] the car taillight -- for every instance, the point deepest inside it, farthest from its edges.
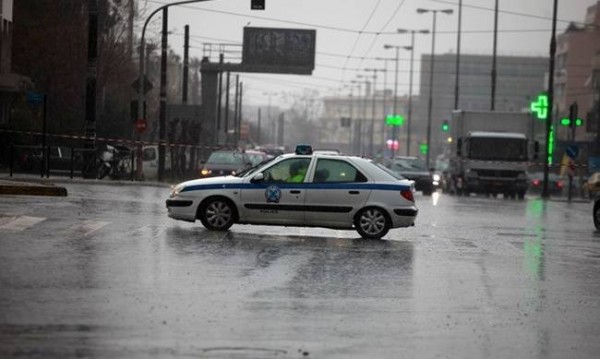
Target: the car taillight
(408, 194)
(536, 182)
(559, 184)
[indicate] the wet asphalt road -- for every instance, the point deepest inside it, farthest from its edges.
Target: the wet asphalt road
(103, 273)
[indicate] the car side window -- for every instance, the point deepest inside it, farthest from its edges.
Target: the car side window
(292, 170)
(330, 170)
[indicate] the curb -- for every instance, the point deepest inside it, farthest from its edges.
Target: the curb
(33, 190)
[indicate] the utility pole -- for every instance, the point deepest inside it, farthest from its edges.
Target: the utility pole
(163, 96)
(90, 81)
(550, 120)
(186, 63)
(493, 102)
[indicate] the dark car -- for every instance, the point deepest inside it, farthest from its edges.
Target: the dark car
(414, 168)
(536, 183)
(225, 162)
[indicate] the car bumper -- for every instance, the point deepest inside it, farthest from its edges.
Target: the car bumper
(181, 209)
(404, 217)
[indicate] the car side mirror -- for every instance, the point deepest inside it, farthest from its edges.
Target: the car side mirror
(259, 177)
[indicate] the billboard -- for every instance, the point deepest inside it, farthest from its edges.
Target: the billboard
(274, 50)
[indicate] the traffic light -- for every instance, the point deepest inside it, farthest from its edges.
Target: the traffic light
(572, 120)
(568, 123)
(423, 148)
(445, 126)
(257, 4)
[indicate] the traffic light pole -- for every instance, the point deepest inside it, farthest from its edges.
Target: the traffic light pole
(549, 121)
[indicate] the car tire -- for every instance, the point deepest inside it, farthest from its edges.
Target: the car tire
(597, 215)
(217, 214)
(372, 223)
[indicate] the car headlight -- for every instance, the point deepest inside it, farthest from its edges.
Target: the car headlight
(436, 177)
(205, 172)
(176, 189)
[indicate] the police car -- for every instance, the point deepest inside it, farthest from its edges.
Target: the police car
(300, 189)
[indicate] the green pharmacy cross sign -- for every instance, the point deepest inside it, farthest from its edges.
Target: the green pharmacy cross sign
(394, 120)
(540, 106)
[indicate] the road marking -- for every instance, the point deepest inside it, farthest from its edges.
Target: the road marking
(18, 223)
(87, 227)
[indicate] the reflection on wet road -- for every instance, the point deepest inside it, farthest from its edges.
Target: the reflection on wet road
(104, 273)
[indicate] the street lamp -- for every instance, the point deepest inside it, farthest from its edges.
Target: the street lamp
(372, 127)
(397, 48)
(431, 69)
(410, 48)
(163, 93)
(384, 102)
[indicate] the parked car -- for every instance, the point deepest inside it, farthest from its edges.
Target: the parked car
(225, 163)
(60, 158)
(414, 168)
(592, 185)
(341, 192)
(150, 162)
(556, 183)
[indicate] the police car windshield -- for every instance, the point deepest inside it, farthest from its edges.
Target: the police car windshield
(252, 170)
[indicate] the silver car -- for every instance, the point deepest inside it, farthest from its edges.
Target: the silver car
(300, 189)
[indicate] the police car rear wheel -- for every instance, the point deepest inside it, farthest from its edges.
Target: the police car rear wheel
(217, 214)
(372, 223)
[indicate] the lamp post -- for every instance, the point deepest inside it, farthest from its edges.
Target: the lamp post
(384, 102)
(357, 123)
(412, 58)
(397, 48)
(163, 95)
(431, 69)
(372, 127)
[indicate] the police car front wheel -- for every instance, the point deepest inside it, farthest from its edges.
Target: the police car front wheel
(217, 214)
(372, 223)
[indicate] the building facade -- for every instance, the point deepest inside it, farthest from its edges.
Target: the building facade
(518, 81)
(355, 124)
(577, 53)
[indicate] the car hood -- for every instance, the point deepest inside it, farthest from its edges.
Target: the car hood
(209, 181)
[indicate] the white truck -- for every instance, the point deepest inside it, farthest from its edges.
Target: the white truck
(490, 153)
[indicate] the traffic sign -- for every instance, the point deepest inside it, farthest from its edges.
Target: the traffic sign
(147, 85)
(141, 124)
(572, 151)
(34, 98)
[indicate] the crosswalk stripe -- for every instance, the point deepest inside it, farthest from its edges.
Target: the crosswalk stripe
(87, 227)
(18, 223)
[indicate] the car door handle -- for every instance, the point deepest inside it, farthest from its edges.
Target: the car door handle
(295, 191)
(354, 192)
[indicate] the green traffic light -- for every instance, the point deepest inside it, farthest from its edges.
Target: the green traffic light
(567, 122)
(423, 148)
(445, 127)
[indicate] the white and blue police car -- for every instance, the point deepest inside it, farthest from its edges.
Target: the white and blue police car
(300, 189)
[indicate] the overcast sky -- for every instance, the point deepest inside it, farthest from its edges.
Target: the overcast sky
(351, 34)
